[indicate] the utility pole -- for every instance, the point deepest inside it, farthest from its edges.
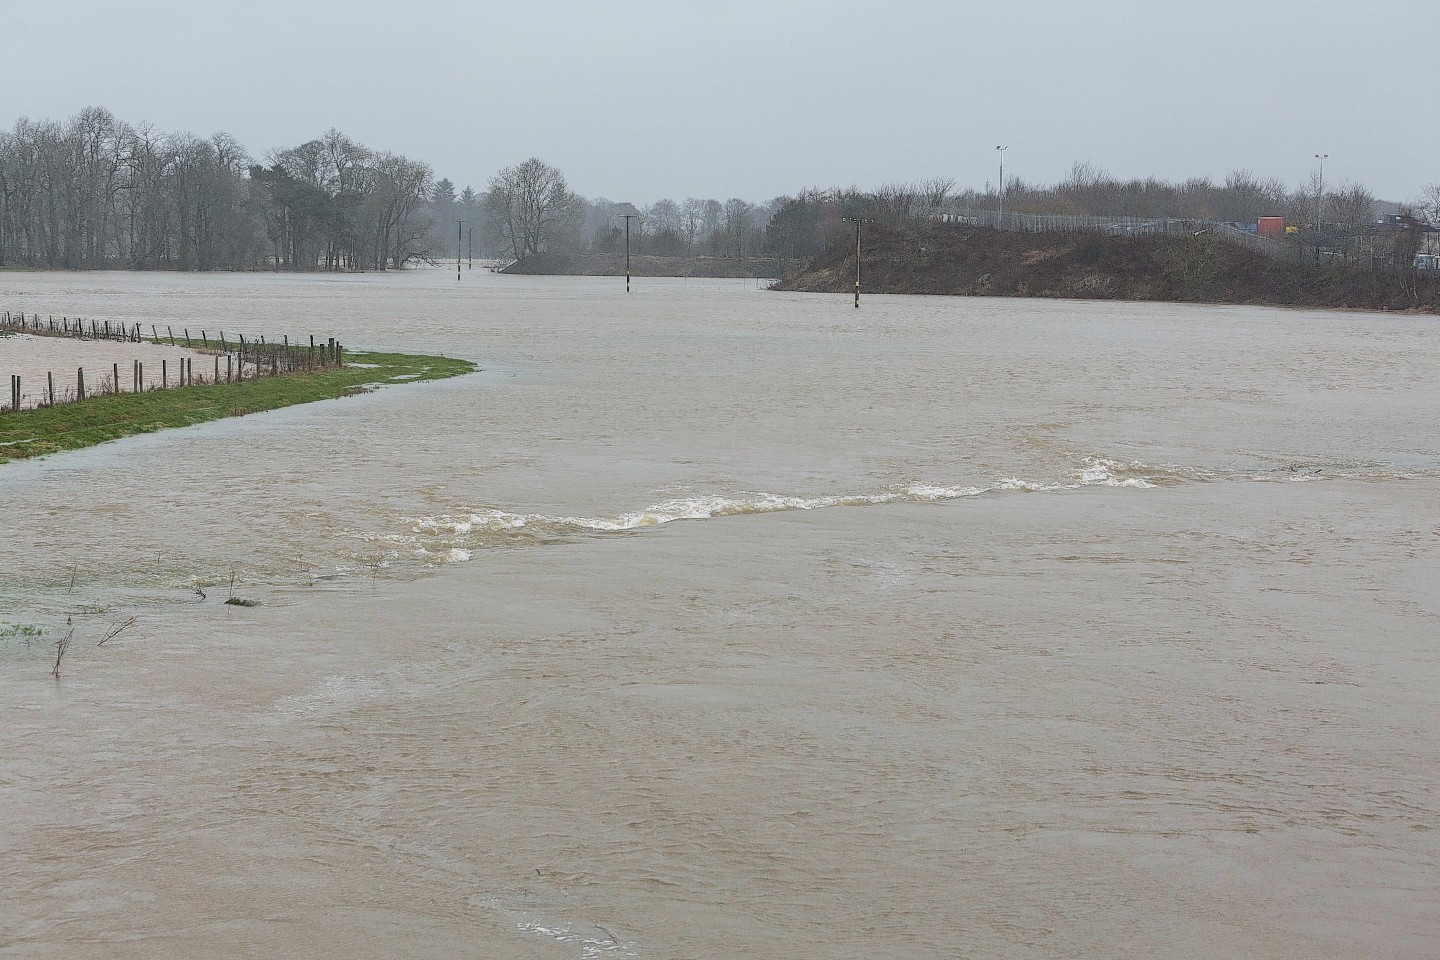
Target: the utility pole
(470, 242)
(459, 243)
(857, 221)
(1000, 216)
(628, 217)
(1320, 204)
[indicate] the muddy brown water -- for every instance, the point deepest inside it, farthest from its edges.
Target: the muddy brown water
(46, 363)
(711, 621)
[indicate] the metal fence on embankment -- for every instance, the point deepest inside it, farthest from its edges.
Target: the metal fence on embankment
(236, 359)
(1123, 227)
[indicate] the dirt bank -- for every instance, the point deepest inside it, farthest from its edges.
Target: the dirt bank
(939, 259)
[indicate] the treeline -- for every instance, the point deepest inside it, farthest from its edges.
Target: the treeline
(97, 192)
(1242, 197)
(803, 225)
(530, 208)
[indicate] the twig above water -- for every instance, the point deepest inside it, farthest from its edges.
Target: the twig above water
(61, 646)
(115, 631)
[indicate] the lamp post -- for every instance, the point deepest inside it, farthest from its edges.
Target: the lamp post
(857, 221)
(1000, 216)
(628, 217)
(459, 245)
(1320, 204)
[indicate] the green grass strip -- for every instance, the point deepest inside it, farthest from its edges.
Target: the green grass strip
(71, 426)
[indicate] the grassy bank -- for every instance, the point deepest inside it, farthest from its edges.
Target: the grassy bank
(34, 433)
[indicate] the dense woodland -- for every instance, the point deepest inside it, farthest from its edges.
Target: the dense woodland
(96, 192)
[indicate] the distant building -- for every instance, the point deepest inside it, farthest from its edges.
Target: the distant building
(1271, 227)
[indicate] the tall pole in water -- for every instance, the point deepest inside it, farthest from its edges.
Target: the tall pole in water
(470, 243)
(857, 221)
(628, 217)
(1000, 216)
(1320, 204)
(459, 244)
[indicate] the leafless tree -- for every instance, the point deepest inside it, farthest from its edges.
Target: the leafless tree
(692, 218)
(737, 225)
(935, 195)
(530, 206)
(1428, 204)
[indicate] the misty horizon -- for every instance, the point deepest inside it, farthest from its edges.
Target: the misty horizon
(756, 101)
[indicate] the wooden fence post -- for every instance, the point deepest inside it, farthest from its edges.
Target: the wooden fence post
(80, 382)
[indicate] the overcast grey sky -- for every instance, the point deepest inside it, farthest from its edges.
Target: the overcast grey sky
(638, 100)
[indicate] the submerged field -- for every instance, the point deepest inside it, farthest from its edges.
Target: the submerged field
(709, 621)
(70, 426)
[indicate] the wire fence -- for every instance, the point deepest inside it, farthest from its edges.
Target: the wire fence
(1123, 227)
(236, 359)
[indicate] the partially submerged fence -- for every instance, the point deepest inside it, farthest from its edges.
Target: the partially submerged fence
(1123, 227)
(235, 360)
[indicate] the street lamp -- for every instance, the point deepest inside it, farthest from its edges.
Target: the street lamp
(459, 244)
(1001, 215)
(1320, 204)
(857, 221)
(628, 217)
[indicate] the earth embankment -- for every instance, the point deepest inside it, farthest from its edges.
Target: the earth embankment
(979, 261)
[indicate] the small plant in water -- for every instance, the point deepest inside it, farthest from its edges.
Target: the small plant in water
(235, 601)
(115, 631)
(61, 646)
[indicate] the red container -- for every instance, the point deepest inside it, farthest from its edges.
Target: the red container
(1270, 226)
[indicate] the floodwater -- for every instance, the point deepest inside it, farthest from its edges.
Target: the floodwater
(51, 365)
(715, 622)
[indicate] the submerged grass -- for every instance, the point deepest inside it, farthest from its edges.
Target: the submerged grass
(71, 426)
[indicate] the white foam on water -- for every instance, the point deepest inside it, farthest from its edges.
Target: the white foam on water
(593, 941)
(1110, 473)
(685, 508)
(329, 695)
(452, 538)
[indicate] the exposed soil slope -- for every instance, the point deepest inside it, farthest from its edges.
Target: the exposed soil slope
(940, 259)
(602, 265)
